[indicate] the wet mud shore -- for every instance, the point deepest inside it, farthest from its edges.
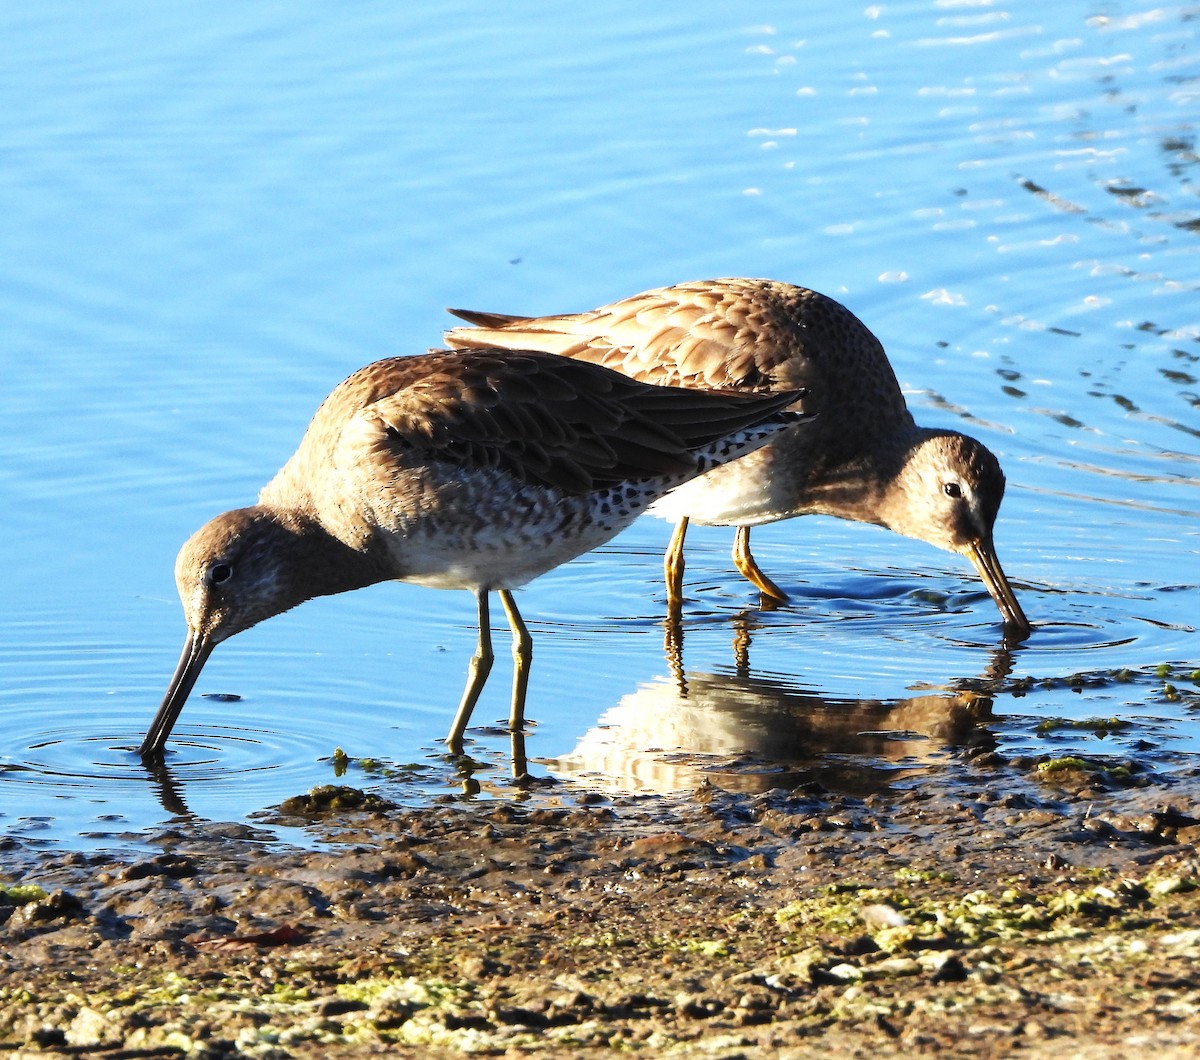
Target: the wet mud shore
(993, 908)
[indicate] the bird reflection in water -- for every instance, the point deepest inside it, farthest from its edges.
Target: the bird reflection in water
(741, 731)
(752, 733)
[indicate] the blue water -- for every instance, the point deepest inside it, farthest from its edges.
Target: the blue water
(213, 212)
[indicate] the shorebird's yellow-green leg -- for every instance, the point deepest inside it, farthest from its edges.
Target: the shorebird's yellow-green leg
(477, 674)
(673, 564)
(522, 652)
(771, 593)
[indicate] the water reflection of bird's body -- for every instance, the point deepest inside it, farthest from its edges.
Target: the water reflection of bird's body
(476, 470)
(754, 733)
(865, 458)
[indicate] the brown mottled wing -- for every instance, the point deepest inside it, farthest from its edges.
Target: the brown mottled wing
(549, 420)
(732, 333)
(717, 334)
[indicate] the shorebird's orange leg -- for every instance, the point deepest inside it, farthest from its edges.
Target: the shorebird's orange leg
(771, 593)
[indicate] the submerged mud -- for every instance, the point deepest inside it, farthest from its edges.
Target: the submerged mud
(993, 908)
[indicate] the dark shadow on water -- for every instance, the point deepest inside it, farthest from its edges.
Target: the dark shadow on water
(168, 790)
(471, 776)
(472, 772)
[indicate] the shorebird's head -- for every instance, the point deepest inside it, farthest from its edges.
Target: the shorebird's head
(948, 493)
(238, 569)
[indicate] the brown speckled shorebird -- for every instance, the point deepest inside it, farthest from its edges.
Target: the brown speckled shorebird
(864, 458)
(456, 470)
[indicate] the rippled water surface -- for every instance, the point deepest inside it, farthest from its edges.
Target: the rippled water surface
(214, 212)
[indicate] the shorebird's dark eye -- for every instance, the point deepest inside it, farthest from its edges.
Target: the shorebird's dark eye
(952, 489)
(219, 573)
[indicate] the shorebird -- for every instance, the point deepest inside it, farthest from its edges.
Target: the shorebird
(456, 470)
(864, 458)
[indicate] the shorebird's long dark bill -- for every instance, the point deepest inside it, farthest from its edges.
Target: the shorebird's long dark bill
(196, 651)
(983, 555)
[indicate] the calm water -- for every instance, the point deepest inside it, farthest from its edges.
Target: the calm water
(213, 213)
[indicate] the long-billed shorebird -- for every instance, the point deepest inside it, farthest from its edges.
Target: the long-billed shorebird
(864, 458)
(458, 470)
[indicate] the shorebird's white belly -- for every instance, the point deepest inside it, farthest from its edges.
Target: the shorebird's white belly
(501, 539)
(746, 492)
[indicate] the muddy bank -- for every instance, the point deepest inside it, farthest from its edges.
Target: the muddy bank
(1001, 908)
